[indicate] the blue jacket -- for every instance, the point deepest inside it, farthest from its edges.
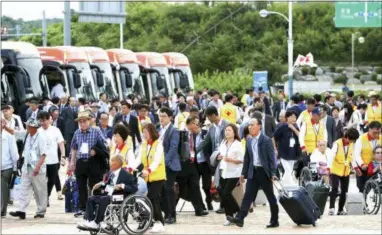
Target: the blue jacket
(266, 154)
(170, 146)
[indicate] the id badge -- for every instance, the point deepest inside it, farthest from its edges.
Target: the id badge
(192, 154)
(34, 156)
(346, 162)
(292, 142)
(84, 148)
(109, 189)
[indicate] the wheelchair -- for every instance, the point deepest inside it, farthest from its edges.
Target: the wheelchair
(372, 194)
(308, 173)
(132, 214)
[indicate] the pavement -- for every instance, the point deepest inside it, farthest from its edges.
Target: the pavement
(56, 221)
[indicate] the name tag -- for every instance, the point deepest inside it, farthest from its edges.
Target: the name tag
(84, 148)
(34, 155)
(292, 142)
(346, 162)
(109, 189)
(192, 154)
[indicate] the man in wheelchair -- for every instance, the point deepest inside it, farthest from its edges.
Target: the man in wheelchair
(116, 182)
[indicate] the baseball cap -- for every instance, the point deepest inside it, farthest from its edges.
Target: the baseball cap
(316, 111)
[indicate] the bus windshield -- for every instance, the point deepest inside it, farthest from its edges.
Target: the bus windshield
(88, 88)
(137, 86)
(110, 86)
(33, 67)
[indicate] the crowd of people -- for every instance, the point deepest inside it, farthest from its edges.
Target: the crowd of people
(220, 140)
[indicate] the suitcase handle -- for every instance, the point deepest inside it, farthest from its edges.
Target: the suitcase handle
(280, 187)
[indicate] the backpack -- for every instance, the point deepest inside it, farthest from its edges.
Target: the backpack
(184, 146)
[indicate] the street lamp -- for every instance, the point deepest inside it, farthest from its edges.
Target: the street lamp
(361, 40)
(264, 13)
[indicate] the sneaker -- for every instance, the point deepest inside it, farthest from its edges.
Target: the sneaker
(227, 223)
(331, 211)
(82, 223)
(59, 196)
(92, 225)
(341, 213)
(158, 227)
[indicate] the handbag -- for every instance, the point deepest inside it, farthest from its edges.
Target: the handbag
(238, 193)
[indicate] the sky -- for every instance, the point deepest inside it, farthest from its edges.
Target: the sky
(33, 10)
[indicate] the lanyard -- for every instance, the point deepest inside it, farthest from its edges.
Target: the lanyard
(30, 140)
(228, 147)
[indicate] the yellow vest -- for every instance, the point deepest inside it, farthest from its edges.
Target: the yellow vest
(374, 115)
(367, 149)
(244, 99)
(148, 159)
(341, 163)
(306, 116)
(182, 118)
(228, 113)
(311, 138)
(140, 123)
(128, 145)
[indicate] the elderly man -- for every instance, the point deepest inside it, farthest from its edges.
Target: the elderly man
(33, 172)
(9, 157)
(116, 182)
(84, 140)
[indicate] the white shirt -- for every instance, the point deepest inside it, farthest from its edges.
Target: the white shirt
(255, 150)
(116, 175)
(356, 121)
(9, 153)
(57, 91)
(235, 151)
(301, 136)
(218, 104)
(34, 114)
(163, 131)
(318, 157)
(104, 107)
(53, 138)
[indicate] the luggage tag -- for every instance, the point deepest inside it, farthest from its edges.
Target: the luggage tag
(84, 148)
(292, 142)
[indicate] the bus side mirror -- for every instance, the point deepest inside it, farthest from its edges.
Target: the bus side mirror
(100, 81)
(128, 78)
(184, 81)
(77, 80)
(160, 82)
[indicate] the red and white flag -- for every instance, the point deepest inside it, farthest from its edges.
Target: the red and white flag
(299, 61)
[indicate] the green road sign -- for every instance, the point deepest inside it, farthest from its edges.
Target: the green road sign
(358, 14)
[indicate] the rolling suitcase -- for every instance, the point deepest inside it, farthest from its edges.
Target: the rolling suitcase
(319, 192)
(71, 195)
(299, 205)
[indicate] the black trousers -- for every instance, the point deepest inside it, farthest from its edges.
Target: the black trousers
(229, 203)
(188, 181)
(335, 179)
(260, 178)
(51, 174)
(93, 201)
(82, 181)
(168, 195)
(57, 183)
(68, 139)
(154, 192)
(206, 175)
(361, 180)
